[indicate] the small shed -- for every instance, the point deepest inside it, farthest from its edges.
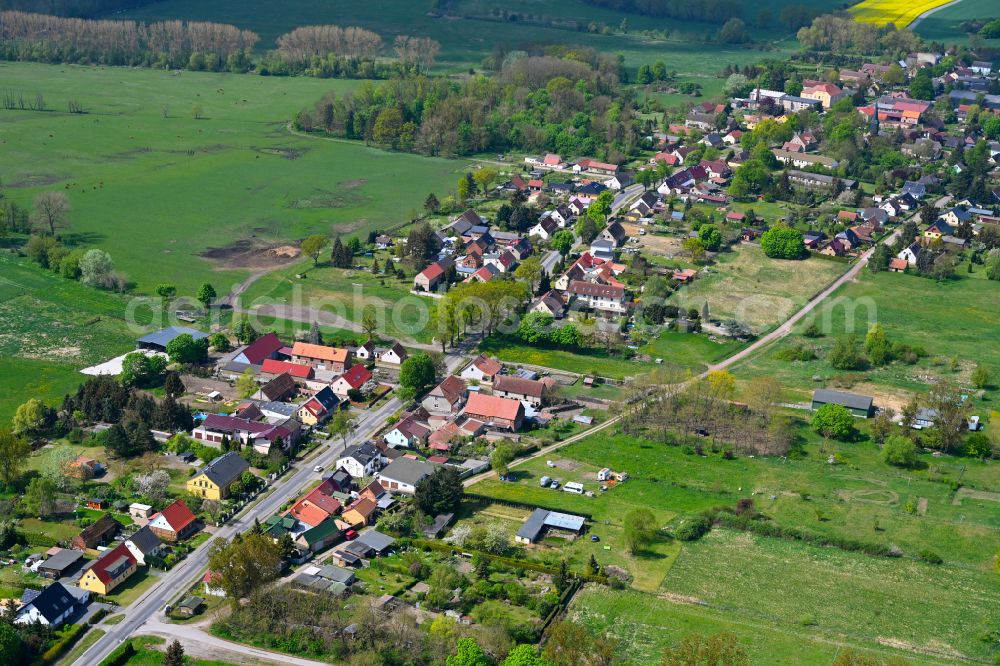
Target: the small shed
(190, 606)
(861, 406)
(140, 511)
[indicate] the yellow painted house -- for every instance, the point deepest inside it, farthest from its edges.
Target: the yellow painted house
(213, 481)
(109, 571)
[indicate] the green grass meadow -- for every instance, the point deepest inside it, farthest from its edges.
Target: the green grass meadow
(157, 187)
(951, 320)
(944, 25)
(788, 602)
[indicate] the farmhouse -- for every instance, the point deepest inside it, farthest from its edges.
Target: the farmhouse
(542, 520)
(251, 433)
(296, 371)
(859, 405)
(321, 357)
(803, 160)
(530, 392)
(214, 480)
(607, 299)
(258, 351)
(109, 571)
(495, 411)
(174, 523)
(407, 432)
(429, 278)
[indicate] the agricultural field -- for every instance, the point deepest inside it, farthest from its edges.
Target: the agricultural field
(181, 199)
(472, 29)
(657, 621)
(897, 12)
(945, 24)
(341, 296)
(862, 498)
(51, 327)
(912, 310)
(746, 285)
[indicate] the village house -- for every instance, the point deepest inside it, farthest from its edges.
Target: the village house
(428, 279)
(297, 371)
(318, 408)
(53, 606)
(143, 544)
(261, 436)
(407, 432)
(804, 160)
(356, 377)
(360, 513)
(605, 299)
(495, 412)
(530, 392)
(278, 389)
(482, 370)
(403, 474)
(447, 397)
(360, 460)
(213, 480)
(109, 571)
(549, 303)
(827, 93)
(174, 523)
(98, 533)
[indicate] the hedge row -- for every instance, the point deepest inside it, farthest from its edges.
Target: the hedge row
(62, 645)
(120, 655)
(771, 529)
(39, 539)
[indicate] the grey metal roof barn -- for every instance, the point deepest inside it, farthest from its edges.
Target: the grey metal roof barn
(161, 338)
(542, 519)
(860, 405)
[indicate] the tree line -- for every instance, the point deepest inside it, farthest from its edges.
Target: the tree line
(709, 11)
(325, 51)
(535, 103)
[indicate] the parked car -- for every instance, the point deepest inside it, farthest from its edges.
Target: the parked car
(350, 535)
(594, 537)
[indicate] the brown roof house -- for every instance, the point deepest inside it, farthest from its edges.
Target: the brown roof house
(97, 533)
(483, 370)
(530, 392)
(494, 411)
(447, 397)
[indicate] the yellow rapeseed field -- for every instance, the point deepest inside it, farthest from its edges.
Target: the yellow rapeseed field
(900, 13)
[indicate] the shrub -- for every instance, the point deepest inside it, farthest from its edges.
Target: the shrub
(900, 451)
(929, 556)
(694, 528)
(121, 655)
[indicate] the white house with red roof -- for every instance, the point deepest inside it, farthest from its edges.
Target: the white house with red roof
(175, 522)
(483, 370)
(354, 378)
(494, 411)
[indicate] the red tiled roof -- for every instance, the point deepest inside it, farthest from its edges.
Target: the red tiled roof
(491, 406)
(487, 365)
(262, 348)
(898, 264)
(356, 376)
(329, 504)
(518, 385)
(177, 515)
(100, 567)
(432, 271)
(298, 370)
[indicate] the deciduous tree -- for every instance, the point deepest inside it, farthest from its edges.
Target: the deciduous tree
(51, 210)
(14, 452)
(312, 246)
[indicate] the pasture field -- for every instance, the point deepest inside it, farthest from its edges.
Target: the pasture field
(179, 199)
(645, 624)
(912, 310)
(686, 350)
(898, 12)
(863, 498)
(472, 29)
(945, 24)
(748, 286)
(342, 294)
(744, 583)
(51, 327)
